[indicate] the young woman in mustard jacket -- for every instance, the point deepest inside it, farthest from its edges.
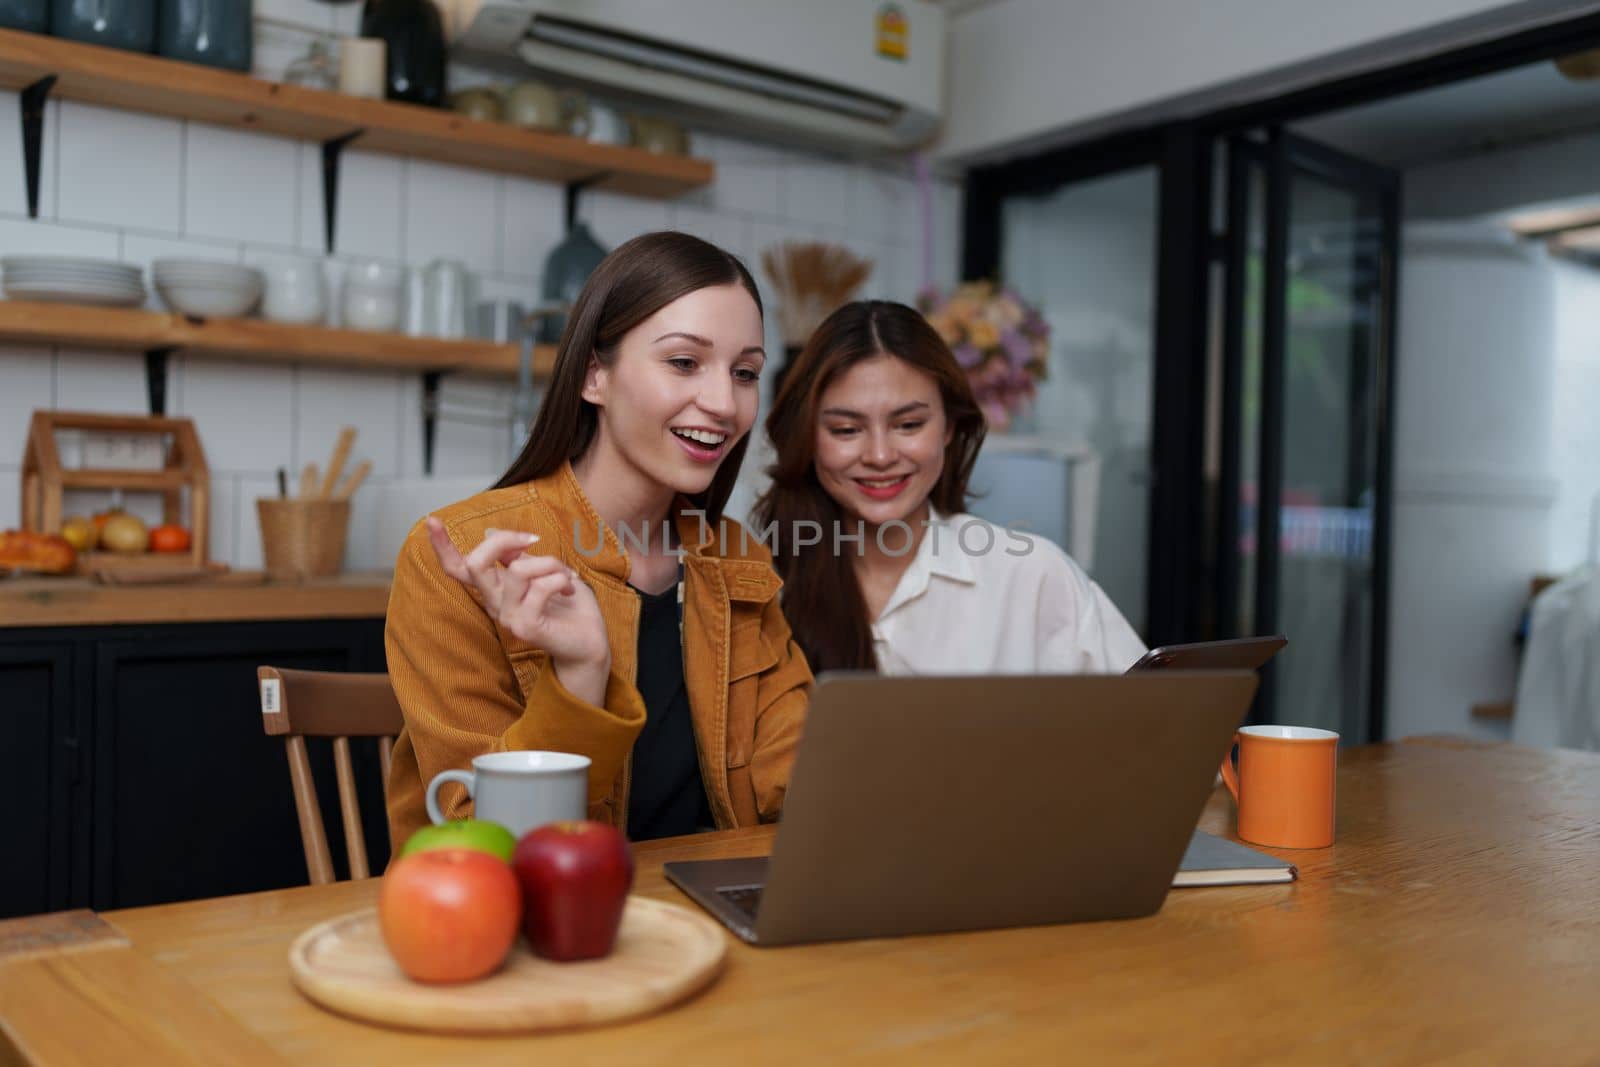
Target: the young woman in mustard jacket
(594, 600)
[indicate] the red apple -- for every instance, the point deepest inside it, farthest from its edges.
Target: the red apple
(575, 879)
(450, 914)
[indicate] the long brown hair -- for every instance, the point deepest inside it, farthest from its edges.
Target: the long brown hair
(634, 282)
(821, 596)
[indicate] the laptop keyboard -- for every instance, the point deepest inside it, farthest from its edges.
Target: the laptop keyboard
(747, 898)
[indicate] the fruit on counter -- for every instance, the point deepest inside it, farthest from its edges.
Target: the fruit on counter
(575, 879)
(449, 914)
(26, 551)
(100, 518)
(82, 534)
(481, 834)
(122, 532)
(169, 538)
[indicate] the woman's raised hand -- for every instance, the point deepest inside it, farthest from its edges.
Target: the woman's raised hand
(539, 599)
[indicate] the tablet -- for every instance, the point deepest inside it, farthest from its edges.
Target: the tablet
(1238, 653)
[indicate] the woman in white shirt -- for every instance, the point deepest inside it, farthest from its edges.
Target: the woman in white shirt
(876, 431)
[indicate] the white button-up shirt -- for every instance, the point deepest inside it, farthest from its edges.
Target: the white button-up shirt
(979, 599)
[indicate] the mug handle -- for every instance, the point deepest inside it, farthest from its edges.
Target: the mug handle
(464, 777)
(1230, 773)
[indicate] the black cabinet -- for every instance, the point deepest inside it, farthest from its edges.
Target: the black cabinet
(39, 768)
(136, 758)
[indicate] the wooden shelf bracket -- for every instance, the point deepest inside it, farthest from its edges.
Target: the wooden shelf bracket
(32, 100)
(430, 416)
(576, 187)
(331, 151)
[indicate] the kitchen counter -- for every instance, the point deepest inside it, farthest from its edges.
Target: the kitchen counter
(74, 601)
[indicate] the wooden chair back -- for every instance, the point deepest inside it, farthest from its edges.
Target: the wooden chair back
(300, 704)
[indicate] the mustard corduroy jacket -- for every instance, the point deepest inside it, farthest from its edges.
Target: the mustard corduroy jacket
(466, 686)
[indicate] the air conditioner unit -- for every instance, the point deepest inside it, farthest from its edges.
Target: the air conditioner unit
(846, 73)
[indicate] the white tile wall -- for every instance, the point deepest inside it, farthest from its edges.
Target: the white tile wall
(29, 376)
(371, 201)
(531, 224)
(99, 381)
(328, 399)
(246, 528)
(11, 490)
(241, 186)
(21, 235)
(453, 213)
(616, 219)
(136, 188)
(119, 168)
(818, 192)
(244, 412)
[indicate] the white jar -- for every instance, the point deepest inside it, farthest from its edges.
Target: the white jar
(371, 309)
(296, 291)
(372, 297)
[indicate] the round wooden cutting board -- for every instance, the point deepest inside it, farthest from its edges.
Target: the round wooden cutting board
(663, 954)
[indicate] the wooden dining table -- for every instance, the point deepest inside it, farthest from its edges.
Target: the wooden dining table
(1455, 920)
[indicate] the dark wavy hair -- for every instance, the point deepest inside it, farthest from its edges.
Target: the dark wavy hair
(821, 596)
(635, 281)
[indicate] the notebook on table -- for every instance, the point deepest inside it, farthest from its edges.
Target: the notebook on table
(1211, 860)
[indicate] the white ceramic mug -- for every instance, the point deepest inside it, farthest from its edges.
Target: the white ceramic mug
(520, 790)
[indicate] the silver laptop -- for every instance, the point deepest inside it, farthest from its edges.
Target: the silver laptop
(922, 805)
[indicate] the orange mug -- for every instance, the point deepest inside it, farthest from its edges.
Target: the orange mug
(1284, 785)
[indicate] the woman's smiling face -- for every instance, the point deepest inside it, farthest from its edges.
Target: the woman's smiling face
(682, 390)
(880, 440)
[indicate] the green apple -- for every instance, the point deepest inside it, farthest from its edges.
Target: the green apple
(480, 834)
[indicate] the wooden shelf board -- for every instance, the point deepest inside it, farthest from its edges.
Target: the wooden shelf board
(1500, 709)
(130, 81)
(29, 322)
(89, 478)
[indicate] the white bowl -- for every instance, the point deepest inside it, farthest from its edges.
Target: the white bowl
(208, 301)
(203, 267)
(371, 309)
(371, 274)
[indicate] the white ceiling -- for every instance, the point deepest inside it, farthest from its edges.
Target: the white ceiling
(1513, 107)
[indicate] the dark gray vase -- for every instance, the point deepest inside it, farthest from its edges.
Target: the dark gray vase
(30, 15)
(129, 24)
(565, 270)
(216, 33)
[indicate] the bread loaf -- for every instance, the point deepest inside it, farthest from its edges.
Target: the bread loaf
(49, 553)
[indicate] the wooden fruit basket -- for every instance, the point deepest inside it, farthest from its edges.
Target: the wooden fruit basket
(45, 482)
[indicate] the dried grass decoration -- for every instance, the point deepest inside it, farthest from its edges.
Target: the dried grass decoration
(813, 279)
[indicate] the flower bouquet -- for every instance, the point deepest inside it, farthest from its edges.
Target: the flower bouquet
(1001, 342)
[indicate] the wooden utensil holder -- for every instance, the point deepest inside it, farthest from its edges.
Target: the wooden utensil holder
(45, 482)
(302, 538)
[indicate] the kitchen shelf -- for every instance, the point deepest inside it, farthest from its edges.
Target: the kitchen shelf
(130, 81)
(82, 326)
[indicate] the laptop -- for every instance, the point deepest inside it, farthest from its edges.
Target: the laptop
(928, 804)
(1235, 653)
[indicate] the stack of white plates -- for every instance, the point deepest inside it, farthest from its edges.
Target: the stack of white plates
(73, 281)
(206, 288)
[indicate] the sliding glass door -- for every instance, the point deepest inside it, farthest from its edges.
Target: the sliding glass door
(1308, 329)
(1084, 252)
